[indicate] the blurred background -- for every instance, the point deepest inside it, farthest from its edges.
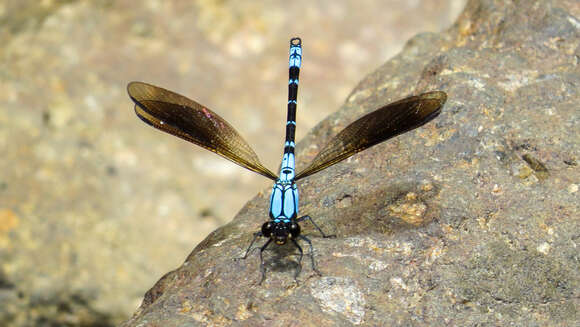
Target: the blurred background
(95, 206)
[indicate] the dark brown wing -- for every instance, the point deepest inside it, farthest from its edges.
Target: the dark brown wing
(378, 126)
(189, 120)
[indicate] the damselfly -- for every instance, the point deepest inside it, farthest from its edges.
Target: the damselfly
(189, 120)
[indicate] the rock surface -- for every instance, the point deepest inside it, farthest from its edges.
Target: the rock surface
(95, 206)
(472, 220)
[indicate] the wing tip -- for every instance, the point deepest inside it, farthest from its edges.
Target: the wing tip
(440, 96)
(132, 85)
(137, 89)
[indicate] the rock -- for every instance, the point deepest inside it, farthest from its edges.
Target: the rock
(95, 206)
(491, 245)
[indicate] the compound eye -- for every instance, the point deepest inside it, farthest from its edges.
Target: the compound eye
(294, 230)
(267, 229)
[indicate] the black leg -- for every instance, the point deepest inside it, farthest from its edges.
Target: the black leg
(262, 269)
(311, 254)
(303, 218)
(256, 235)
(299, 269)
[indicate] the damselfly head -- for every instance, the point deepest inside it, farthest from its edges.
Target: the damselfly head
(281, 231)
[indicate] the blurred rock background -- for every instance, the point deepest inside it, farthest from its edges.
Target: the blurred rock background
(95, 206)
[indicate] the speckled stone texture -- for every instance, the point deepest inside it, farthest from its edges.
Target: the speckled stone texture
(95, 206)
(472, 220)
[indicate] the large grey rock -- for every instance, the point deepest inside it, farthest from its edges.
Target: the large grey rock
(471, 220)
(95, 206)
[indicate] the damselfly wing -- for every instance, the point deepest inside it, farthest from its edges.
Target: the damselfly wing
(191, 121)
(376, 127)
